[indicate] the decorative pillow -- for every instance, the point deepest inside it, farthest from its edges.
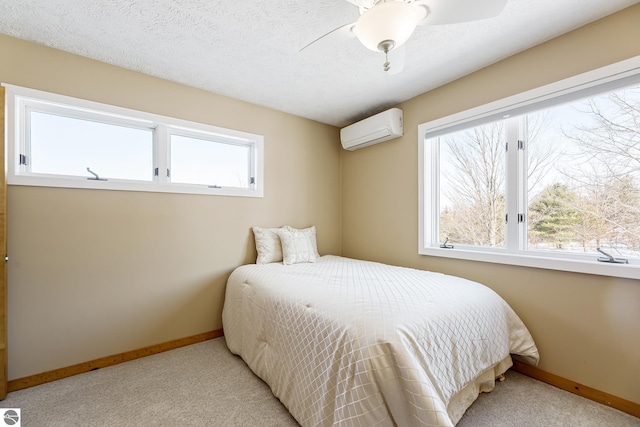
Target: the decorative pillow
(298, 245)
(268, 245)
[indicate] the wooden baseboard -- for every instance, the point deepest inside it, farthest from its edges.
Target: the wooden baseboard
(571, 386)
(103, 362)
(576, 388)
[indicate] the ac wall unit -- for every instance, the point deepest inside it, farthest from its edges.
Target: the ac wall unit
(381, 127)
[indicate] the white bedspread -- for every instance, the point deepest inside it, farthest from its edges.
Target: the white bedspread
(354, 343)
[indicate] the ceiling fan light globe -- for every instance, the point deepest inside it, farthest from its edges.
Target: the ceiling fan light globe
(393, 20)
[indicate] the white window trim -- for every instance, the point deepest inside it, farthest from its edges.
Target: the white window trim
(613, 76)
(163, 125)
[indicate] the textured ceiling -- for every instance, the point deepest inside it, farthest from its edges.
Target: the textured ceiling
(250, 49)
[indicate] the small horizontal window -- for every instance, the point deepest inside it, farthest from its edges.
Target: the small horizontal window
(78, 147)
(209, 162)
(59, 141)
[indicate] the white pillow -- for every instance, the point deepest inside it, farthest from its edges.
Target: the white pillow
(268, 245)
(298, 245)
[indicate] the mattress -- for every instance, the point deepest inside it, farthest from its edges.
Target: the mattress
(344, 342)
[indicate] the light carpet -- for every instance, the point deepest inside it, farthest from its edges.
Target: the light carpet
(205, 385)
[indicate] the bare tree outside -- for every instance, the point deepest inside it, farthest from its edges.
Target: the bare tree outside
(609, 188)
(472, 182)
(583, 176)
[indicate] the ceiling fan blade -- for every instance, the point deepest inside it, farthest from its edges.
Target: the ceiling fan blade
(335, 36)
(396, 59)
(443, 12)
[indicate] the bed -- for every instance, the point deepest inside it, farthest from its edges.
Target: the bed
(344, 342)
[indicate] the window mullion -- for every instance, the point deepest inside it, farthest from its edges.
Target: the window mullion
(523, 184)
(161, 153)
(513, 179)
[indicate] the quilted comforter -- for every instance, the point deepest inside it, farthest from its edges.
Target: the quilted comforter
(354, 343)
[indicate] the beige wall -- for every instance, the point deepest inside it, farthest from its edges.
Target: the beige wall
(95, 273)
(587, 327)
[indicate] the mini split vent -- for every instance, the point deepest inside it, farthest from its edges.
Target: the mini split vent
(381, 127)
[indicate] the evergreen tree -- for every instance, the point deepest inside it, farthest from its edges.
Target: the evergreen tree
(555, 215)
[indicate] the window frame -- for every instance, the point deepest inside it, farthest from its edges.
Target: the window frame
(216, 138)
(20, 100)
(608, 78)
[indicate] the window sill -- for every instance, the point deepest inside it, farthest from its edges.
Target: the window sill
(142, 186)
(628, 271)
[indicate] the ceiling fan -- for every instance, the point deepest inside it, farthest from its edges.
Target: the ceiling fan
(385, 25)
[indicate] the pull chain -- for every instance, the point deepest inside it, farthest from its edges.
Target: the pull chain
(385, 46)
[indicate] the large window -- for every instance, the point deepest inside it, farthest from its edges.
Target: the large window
(550, 178)
(60, 141)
